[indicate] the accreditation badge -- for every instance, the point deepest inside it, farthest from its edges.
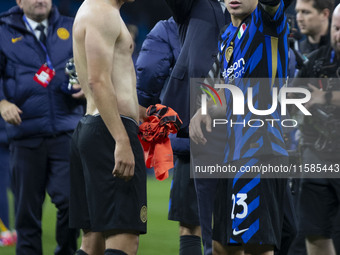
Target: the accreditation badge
(44, 75)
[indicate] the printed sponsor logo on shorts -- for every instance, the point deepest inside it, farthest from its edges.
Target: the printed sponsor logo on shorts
(143, 214)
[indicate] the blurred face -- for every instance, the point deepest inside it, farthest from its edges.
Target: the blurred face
(37, 10)
(335, 31)
(239, 9)
(310, 21)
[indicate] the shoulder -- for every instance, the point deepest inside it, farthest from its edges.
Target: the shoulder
(322, 52)
(101, 19)
(66, 19)
(165, 29)
(64, 22)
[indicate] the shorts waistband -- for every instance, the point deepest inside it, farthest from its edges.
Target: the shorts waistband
(95, 118)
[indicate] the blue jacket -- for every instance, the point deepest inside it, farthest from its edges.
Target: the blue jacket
(156, 59)
(3, 135)
(46, 111)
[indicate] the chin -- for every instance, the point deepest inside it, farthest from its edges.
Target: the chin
(41, 17)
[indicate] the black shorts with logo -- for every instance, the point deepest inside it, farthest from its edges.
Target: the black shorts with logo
(99, 201)
(250, 210)
(183, 205)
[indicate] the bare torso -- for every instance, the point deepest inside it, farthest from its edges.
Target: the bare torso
(123, 76)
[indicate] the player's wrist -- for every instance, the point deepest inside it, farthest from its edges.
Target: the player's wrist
(122, 140)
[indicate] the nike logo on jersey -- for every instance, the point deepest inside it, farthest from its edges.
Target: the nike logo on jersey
(223, 46)
(14, 40)
(237, 232)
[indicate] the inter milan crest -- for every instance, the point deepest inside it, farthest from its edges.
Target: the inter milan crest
(229, 52)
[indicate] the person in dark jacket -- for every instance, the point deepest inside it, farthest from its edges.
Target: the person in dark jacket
(199, 22)
(319, 221)
(313, 19)
(7, 238)
(156, 59)
(41, 114)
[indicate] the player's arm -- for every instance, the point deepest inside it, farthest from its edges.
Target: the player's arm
(323, 97)
(270, 6)
(101, 36)
(153, 67)
(9, 111)
(195, 130)
(154, 63)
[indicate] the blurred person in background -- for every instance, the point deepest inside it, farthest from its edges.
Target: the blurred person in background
(313, 18)
(199, 24)
(155, 62)
(7, 238)
(40, 114)
(319, 220)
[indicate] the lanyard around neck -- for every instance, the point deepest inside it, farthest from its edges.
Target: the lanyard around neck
(48, 60)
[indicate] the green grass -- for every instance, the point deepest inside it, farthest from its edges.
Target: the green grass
(162, 237)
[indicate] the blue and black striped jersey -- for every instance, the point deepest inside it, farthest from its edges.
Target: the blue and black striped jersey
(258, 48)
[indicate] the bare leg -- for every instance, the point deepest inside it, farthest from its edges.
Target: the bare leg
(318, 245)
(93, 243)
(122, 240)
(190, 239)
(191, 230)
(219, 249)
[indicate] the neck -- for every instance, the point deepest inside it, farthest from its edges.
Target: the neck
(36, 19)
(315, 39)
(116, 3)
(236, 20)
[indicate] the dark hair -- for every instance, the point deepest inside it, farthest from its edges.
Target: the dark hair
(322, 4)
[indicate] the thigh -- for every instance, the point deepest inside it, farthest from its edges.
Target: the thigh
(79, 212)
(28, 160)
(336, 232)
(317, 207)
(58, 179)
(252, 210)
(113, 203)
(183, 200)
(4, 168)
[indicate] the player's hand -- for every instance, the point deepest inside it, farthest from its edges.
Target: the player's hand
(80, 94)
(195, 131)
(124, 161)
(10, 112)
(317, 96)
(142, 114)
